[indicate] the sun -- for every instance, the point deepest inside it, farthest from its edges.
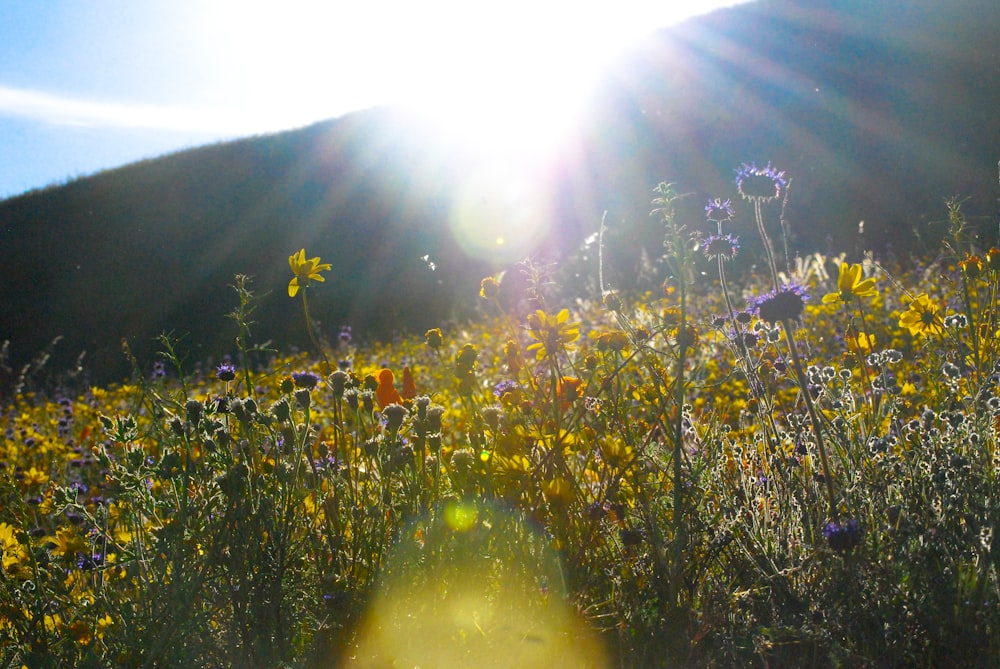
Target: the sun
(505, 82)
(498, 76)
(510, 79)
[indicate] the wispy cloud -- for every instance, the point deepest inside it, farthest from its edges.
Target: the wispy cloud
(56, 109)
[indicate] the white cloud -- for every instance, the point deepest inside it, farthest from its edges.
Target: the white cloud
(54, 109)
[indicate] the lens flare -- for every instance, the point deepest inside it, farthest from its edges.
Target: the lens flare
(474, 588)
(500, 212)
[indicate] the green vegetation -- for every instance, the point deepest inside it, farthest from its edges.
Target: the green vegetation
(798, 470)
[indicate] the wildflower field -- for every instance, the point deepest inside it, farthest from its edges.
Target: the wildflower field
(790, 467)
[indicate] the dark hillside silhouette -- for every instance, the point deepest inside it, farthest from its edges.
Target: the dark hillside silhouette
(877, 110)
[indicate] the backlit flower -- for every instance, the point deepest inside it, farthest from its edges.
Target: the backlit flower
(922, 317)
(386, 392)
(861, 342)
(551, 333)
(304, 271)
(488, 288)
(719, 210)
(850, 285)
(306, 380)
(993, 258)
(781, 304)
(569, 390)
(409, 385)
(720, 246)
(225, 372)
(971, 265)
(434, 337)
(760, 183)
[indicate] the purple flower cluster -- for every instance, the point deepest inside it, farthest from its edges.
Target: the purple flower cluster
(760, 183)
(842, 536)
(782, 304)
(225, 372)
(305, 380)
(719, 210)
(504, 387)
(720, 246)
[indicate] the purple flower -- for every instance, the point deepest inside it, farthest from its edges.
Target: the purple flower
(760, 183)
(225, 372)
(782, 304)
(306, 380)
(842, 536)
(719, 210)
(720, 246)
(504, 387)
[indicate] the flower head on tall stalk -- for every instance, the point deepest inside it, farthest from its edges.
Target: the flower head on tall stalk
(720, 211)
(720, 246)
(760, 184)
(307, 271)
(785, 303)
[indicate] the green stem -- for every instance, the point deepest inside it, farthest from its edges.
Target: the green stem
(973, 329)
(813, 416)
(312, 337)
(759, 219)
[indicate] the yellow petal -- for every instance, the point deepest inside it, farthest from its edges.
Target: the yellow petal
(296, 260)
(293, 287)
(853, 274)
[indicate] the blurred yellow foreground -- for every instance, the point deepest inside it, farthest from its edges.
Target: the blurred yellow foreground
(476, 589)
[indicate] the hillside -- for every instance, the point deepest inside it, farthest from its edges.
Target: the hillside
(878, 112)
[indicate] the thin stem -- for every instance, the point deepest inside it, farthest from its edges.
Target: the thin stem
(768, 249)
(813, 416)
(312, 337)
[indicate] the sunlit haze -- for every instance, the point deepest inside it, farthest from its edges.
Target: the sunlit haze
(86, 86)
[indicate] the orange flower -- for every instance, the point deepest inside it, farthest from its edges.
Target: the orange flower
(569, 390)
(386, 392)
(513, 355)
(409, 386)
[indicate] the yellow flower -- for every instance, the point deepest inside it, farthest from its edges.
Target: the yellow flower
(489, 288)
(304, 271)
(616, 453)
(850, 285)
(35, 476)
(12, 551)
(557, 490)
(922, 317)
(551, 333)
(103, 625)
(68, 542)
(434, 338)
(861, 342)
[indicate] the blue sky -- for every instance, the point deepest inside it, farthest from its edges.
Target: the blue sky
(90, 84)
